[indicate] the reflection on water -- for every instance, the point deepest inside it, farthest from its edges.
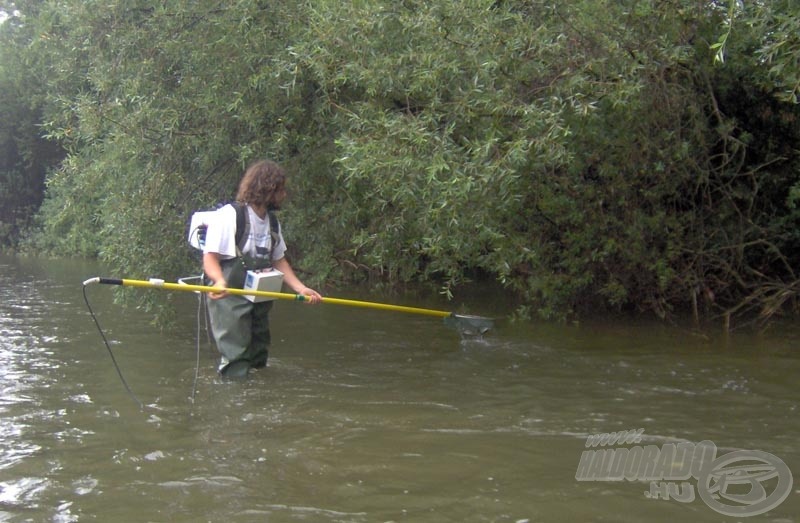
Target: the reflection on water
(361, 415)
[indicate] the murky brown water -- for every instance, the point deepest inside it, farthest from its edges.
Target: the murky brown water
(362, 415)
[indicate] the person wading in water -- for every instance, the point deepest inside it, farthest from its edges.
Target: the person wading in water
(241, 327)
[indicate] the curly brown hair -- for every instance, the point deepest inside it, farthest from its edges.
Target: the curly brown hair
(261, 184)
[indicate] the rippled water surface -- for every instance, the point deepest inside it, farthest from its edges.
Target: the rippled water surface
(361, 415)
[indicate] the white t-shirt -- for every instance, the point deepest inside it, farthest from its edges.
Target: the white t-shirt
(221, 236)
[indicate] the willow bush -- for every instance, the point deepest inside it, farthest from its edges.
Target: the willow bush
(25, 156)
(173, 105)
(587, 155)
(440, 116)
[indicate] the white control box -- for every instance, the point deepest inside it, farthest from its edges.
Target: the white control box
(269, 280)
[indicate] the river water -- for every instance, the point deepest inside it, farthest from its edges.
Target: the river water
(364, 415)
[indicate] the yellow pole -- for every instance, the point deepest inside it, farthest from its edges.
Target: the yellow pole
(185, 287)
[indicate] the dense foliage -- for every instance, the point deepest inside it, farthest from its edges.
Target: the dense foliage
(588, 155)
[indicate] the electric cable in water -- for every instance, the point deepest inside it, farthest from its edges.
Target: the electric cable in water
(197, 355)
(110, 352)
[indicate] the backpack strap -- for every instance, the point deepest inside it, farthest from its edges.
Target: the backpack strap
(274, 231)
(242, 226)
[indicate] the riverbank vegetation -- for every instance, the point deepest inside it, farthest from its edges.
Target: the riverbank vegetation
(588, 155)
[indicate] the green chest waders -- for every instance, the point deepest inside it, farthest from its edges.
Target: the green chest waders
(240, 327)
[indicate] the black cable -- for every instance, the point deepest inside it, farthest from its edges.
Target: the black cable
(113, 359)
(194, 232)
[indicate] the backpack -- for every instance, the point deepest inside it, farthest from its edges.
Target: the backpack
(201, 219)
